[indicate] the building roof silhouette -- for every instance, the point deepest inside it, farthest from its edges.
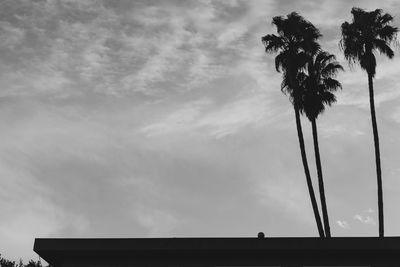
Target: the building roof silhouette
(255, 251)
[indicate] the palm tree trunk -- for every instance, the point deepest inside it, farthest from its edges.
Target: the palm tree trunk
(307, 173)
(377, 155)
(320, 180)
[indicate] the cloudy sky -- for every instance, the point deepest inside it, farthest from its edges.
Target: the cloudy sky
(165, 118)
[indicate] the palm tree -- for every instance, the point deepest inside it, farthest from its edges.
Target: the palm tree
(318, 87)
(296, 37)
(368, 32)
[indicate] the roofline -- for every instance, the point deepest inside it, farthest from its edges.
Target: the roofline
(243, 249)
(215, 243)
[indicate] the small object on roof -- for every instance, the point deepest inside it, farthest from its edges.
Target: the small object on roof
(260, 235)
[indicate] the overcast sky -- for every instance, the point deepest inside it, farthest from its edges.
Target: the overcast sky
(165, 119)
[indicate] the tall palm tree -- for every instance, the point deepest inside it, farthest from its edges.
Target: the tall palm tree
(296, 37)
(319, 86)
(368, 32)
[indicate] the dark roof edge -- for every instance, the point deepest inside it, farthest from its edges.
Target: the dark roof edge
(215, 243)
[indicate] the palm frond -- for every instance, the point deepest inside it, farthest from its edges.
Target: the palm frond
(351, 42)
(285, 85)
(383, 47)
(280, 61)
(331, 69)
(278, 21)
(387, 33)
(359, 15)
(385, 19)
(272, 43)
(331, 84)
(328, 98)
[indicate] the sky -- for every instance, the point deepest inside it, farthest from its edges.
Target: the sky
(165, 118)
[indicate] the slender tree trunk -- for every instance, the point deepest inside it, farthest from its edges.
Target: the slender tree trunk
(377, 156)
(308, 176)
(320, 180)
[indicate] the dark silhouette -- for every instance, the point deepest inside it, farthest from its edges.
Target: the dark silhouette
(7, 263)
(32, 263)
(296, 38)
(229, 251)
(369, 31)
(318, 85)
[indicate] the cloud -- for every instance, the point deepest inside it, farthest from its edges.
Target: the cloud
(233, 33)
(180, 120)
(10, 35)
(231, 118)
(202, 115)
(343, 224)
(364, 219)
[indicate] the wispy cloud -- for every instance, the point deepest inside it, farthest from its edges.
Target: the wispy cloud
(343, 224)
(369, 210)
(364, 219)
(181, 120)
(202, 115)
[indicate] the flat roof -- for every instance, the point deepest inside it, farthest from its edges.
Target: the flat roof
(220, 251)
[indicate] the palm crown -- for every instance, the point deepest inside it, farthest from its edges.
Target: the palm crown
(368, 31)
(318, 84)
(296, 38)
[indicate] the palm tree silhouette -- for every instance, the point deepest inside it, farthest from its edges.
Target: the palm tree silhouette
(369, 31)
(296, 38)
(319, 85)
